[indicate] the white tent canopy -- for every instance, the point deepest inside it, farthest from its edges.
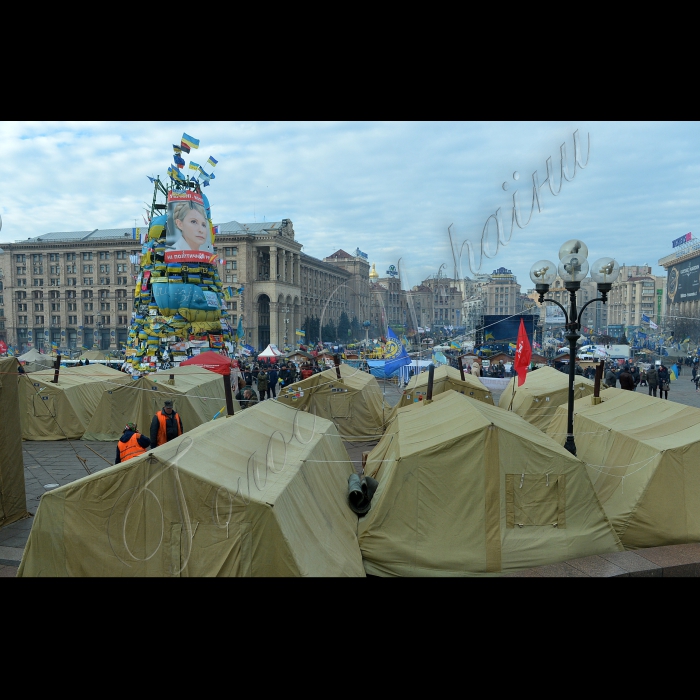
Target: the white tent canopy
(270, 351)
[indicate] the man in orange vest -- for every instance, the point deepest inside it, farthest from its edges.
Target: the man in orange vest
(131, 444)
(166, 425)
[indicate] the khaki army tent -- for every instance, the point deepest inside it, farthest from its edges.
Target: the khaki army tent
(467, 489)
(13, 500)
(354, 403)
(643, 457)
(444, 379)
(544, 389)
(94, 355)
(62, 411)
(197, 395)
(34, 361)
(261, 493)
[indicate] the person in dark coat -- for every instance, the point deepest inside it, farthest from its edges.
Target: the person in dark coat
(627, 381)
(652, 380)
(611, 377)
(166, 425)
(273, 376)
(263, 383)
(131, 444)
(664, 382)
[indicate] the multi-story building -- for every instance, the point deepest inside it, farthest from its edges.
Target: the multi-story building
(75, 289)
(388, 306)
(635, 292)
(357, 284)
(680, 299)
(501, 293)
(447, 301)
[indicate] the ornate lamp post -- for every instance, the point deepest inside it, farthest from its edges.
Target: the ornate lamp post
(573, 267)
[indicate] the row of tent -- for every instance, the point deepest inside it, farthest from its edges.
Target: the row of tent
(465, 488)
(94, 402)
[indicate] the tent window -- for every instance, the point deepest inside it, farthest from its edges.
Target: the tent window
(341, 405)
(535, 500)
(43, 405)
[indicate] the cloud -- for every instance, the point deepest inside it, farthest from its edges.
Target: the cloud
(390, 188)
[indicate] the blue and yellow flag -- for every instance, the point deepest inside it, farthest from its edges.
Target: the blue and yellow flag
(489, 336)
(212, 161)
(239, 330)
(454, 345)
(194, 166)
(190, 141)
(673, 372)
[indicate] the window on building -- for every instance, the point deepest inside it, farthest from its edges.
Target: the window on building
(38, 320)
(105, 320)
(22, 320)
(89, 320)
(21, 270)
(72, 320)
(38, 282)
(120, 267)
(87, 268)
(121, 306)
(55, 282)
(72, 282)
(87, 293)
(72, 306)
(87, 306)
(87, 281)
(104, 268)
(87, 256)
(232, 279)
(122, 280)
(104, 306)
(121, 255)
(21, 258)
(231, 265)
(104, 280)
(21, 307)
(70, 256)
(104, 255)
(22, 282)
(231, 251)
(56, 306)
(56, 320)
(123, 320)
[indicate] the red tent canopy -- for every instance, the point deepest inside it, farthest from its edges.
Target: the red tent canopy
(211, 361)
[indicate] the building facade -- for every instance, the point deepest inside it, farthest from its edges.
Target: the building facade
(636, 292)
(76, 289)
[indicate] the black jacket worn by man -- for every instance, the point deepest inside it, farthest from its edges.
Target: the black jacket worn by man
(170, 427)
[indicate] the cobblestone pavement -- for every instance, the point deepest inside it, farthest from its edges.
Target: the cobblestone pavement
(47, 463)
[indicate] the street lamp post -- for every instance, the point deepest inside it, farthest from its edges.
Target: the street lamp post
(573, 267)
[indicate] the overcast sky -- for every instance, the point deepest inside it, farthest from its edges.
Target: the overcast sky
(391, 189)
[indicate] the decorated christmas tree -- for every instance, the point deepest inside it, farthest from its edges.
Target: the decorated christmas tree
(179, 301)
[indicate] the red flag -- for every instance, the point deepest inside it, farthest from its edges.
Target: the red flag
(522, 354)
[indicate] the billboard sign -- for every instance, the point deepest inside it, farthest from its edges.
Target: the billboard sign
(189, 236)
(684, 281)
(683, 239)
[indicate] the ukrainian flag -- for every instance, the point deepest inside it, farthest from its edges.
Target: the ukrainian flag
(190, 141)
(212, 161)
(194, 166)
(673, 373)
(454, 345)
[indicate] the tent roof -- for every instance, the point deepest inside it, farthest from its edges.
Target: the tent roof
(33, 355)
(210, 360)
(449, 500)
(267, 489)
(70, 377)
(269, 351)
(94, 355)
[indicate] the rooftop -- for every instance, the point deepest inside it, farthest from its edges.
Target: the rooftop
(228, 228)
